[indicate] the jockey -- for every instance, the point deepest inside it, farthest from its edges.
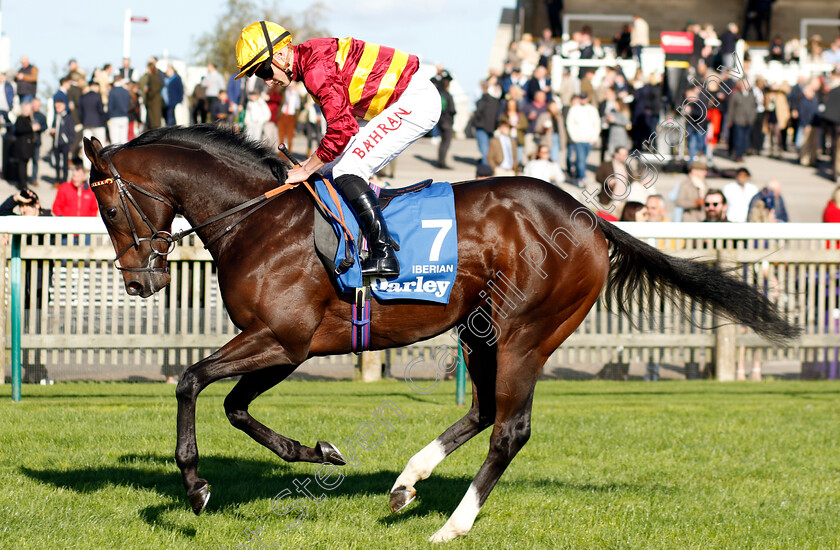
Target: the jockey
(350, 79)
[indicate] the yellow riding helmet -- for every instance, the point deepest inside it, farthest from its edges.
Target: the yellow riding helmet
(257, 42)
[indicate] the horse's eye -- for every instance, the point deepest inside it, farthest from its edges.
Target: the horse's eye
(112, 213)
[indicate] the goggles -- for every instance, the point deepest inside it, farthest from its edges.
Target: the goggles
(263, 71)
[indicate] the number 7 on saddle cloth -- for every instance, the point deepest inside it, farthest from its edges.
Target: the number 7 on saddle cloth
(424, 226)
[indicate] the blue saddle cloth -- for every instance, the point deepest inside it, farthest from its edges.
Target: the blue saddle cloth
(423, 225)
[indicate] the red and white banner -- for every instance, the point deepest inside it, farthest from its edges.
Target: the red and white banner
(677, 42)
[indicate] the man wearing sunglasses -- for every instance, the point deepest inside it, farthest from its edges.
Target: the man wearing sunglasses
(714, 205)
(351, 80)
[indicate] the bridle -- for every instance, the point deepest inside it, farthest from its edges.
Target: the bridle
(127, 198)
(165, 237)
(171, 239)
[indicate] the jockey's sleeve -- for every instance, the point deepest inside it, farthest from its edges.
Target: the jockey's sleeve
(315, 63)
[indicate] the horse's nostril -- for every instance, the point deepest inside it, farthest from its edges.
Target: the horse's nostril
(134, 288)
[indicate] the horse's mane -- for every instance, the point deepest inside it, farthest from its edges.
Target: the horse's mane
(217, 140)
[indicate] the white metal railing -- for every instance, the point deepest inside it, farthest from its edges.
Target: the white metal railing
(31, 225)
(773, 231)
(75, 312)
(22, 225)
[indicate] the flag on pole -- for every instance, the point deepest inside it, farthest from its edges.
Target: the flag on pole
(138, 19)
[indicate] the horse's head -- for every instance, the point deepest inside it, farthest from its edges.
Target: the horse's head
(138, 217)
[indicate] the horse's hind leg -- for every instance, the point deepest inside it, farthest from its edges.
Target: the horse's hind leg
(520, 358)
(481, 362)
(249, 387)
(253, 349)
(514, 394)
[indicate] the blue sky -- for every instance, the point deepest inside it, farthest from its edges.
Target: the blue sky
(456, 33)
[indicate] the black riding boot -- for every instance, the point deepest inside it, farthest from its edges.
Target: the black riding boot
(382, 260)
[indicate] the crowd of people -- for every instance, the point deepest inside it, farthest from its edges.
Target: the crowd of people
(115, 105)
(521, 114)
(523, 122)
(105, 105)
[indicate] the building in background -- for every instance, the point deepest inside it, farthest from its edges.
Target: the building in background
(673, 15)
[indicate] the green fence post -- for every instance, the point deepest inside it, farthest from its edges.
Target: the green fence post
(460, 377)
(16, 325)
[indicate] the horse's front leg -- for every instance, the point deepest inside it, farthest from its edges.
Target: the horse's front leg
(253, 349)
(252, 385)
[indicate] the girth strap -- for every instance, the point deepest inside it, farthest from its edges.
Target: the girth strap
(360, 332)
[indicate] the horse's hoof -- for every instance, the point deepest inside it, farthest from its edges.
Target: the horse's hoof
(329, 453)
(401, 497)
(442, 536)
(199, 497)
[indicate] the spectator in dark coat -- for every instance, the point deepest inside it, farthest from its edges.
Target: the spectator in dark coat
(646, 108)
(152, 97)
(222, 110)
(487, 115)
(175, 94)
(74, 94)
(794, 97)
(446, 121)
(539, 81)
(92, 114)
(758, 16)
(728, 40)
(776, 50)
(743, 112)
(25, 138)
(119, 108)
(61, 93)
(63, 135)
(41, 120)
(831, 120)
(768, 204)
(555, 12)
(806, 112)
(699, 43)
(622, 43)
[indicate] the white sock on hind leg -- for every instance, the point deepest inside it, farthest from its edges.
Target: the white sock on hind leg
(420, 466)
(462, 518)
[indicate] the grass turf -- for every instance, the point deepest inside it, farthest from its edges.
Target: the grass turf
(609, 465)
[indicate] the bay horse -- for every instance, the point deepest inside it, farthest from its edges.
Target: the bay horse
(531, 259)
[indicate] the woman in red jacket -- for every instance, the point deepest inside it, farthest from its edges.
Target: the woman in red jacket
(831, 214)
(350, 79)
(74, 197)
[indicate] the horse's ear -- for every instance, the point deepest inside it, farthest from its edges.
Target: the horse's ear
(92, 148)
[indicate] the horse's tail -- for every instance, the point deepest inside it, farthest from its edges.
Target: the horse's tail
(637, 266)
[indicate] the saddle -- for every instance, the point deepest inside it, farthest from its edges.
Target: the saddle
(326, 239)
(424, 226)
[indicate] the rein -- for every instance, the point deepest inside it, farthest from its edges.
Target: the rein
(169, 239)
